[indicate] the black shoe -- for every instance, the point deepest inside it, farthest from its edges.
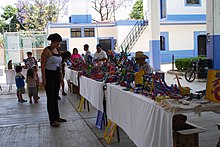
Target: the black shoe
(55, 124)
(59, 98)
(60, 120)
(64, 93)
(23, 100)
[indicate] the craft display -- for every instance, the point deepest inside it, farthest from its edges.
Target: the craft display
(119, 69)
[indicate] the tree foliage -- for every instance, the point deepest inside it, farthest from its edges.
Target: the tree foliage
(137, 11)
(107, 8)
(8, 20)
(35, 14)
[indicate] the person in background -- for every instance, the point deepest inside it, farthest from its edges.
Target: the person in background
(140, 60)
(65, 57)
(100, 55)
(10, 64)
(37, 80)
(50, 68)
(87, 53)
(19, 80)
(31, 85)
(75, 56)
(30, 61)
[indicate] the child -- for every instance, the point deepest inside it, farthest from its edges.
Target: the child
(31, 85)
(37, 79)
(19, 79)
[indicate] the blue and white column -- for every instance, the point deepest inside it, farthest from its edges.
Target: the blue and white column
(152, 14)
(213, 31)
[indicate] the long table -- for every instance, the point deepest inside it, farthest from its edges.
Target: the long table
(71, 75)
(146, 123)
(93, 91)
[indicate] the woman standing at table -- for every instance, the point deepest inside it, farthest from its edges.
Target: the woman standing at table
(50, 67)
(75, 57)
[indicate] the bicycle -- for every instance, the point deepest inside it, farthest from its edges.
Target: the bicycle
(190, 74)
(199, 68)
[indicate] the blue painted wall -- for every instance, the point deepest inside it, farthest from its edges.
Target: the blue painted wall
(216, 51)
(80, 19)
(188, 17)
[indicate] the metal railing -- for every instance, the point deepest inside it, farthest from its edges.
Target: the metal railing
(133, 36)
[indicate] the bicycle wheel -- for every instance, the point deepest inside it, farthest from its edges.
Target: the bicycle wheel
(190, 75)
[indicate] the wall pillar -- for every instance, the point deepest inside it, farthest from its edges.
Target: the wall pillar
(152, 15)
(213, 31)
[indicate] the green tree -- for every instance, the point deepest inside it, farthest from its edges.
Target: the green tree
(137, 11)
(9, 20)
(35, 14)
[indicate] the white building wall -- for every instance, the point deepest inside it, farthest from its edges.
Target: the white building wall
(79, 42)
(178, 7)
(101, 32)
(64, 32)
(122, 32)
(106, 32)
(181, 37)
(142, 43)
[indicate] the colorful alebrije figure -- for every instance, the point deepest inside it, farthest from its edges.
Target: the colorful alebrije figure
(138, 77)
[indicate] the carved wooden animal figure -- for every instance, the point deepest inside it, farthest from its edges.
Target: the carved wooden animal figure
(183, 90)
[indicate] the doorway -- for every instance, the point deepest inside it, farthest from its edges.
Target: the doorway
(106, 44)
(202, 45)
(63, 45)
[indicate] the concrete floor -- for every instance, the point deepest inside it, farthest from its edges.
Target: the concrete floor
(27, 125)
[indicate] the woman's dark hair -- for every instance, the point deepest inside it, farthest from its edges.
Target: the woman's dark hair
(75, 49)
(86, 46)
(30, 72)
(66, 54)
(18, 69)
(54, 37)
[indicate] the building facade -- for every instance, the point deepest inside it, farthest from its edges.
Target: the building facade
(182, 30)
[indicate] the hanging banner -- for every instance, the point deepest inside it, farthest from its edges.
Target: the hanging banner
(27, 45)
(213, 86)
(13, 49)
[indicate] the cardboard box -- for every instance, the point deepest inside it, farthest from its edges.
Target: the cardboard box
(75, 89)
(188, 137)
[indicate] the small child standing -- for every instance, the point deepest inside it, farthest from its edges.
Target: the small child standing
(37, 79)
(31, 85)
(19, 80)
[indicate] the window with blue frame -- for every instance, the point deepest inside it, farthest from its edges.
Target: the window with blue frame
(193, 2)
(162, 43)
(75, 32)
(163, 9)
(89, 32)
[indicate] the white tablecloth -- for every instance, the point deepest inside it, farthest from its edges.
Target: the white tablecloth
(146, 123)
(10, 75)
(71, 75)
(93, 91)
